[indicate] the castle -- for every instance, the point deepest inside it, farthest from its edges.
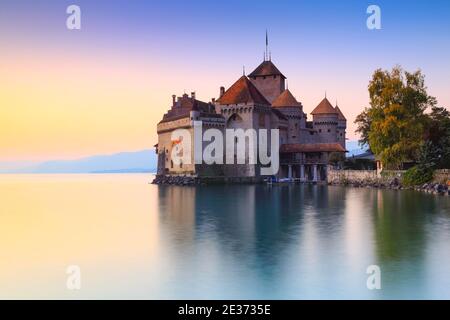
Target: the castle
(258, 101)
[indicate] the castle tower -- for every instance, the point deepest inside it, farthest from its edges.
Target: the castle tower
(325, 122)
(341, 127)
(182, 114)
(243, 107)
(268, 80)
(293, 110)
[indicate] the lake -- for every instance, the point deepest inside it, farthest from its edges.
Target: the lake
(134, 240)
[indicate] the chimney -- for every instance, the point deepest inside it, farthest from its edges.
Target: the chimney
(193, 94)
(222, 91)
(173, 99)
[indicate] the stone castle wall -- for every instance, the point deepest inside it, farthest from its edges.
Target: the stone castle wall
(326, 126)
(335, 176)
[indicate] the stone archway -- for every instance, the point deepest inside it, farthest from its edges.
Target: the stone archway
(234, 121)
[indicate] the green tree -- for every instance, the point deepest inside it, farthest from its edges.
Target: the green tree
(435, 152)
(394, 124)
(363, 120)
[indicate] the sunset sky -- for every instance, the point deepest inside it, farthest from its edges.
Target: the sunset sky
(102, 89)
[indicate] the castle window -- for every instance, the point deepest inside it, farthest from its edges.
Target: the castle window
(171, 164)
(262, 120)
(329, 130)
(181, 164)
(320, 130)
(341, 134)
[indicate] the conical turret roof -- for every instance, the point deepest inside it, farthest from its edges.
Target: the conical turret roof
(286, 99)
(324, 107)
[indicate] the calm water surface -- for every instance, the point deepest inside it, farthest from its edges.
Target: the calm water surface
(132, 239)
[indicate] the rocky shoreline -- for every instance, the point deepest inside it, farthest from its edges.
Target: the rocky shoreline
(176, 180)
(192, 181)
(394, 184)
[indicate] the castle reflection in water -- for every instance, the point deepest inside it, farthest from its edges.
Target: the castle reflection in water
(322, 237)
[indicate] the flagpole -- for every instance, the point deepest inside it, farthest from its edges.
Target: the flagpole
(267, 44)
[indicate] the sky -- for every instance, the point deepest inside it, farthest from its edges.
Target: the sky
(72, 93)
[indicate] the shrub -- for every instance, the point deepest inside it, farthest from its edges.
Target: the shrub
(417, 175)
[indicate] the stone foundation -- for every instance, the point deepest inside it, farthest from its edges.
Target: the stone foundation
(341, 176)
(390, 180)
(175, 180)
(190, 180)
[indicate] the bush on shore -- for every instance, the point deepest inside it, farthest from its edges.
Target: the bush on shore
(417, 175)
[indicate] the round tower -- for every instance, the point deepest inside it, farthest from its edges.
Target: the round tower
(325, 122)
(293, 110)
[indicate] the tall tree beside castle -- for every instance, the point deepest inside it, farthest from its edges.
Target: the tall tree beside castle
(395, 124)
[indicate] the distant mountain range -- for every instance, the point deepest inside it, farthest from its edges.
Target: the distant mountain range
(124, 162)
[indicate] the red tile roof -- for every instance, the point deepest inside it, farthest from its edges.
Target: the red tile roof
(242, 91)
(286, 99)
(340, 114)
(266, 68)
(311, 147)
(324, 107)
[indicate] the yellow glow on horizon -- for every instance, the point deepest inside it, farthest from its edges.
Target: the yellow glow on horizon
(63, 109)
